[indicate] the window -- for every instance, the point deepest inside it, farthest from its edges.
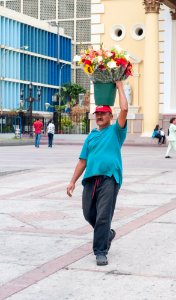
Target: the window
(117, 32)
(138, 32)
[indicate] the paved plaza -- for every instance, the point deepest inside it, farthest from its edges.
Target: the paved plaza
(46, 245)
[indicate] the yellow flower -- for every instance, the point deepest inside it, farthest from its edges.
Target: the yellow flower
(88, 69)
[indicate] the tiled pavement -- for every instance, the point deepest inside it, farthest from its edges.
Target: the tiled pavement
(46, 245)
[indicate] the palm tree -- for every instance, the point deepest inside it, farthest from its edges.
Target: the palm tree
(70, 93)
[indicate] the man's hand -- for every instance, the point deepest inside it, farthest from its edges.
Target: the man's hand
(77, 173)
(119, 84)
(70, 189)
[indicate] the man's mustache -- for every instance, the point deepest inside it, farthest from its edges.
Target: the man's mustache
(100, 119)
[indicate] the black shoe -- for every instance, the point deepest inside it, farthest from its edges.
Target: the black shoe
(113, 234)
(168, 156)
(101, 260)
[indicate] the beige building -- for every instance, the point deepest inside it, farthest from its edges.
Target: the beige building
(147, 29)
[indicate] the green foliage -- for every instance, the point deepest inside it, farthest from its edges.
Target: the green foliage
(8, 129)
(66, 122)
(71, 92)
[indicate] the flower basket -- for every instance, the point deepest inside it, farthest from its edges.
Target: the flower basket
(104, 93)
(104, 67)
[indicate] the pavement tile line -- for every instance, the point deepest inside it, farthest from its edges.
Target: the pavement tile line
(121, 273)
(15, 172)
(29, 278)
(86, 229)
(79, 232)
(31, 190)
(45, 270)
(145, 219)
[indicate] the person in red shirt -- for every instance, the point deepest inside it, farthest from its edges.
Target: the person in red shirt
(38, 126)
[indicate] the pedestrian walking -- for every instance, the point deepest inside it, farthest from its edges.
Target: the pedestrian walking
(38, 126)
(101, 160)
(50, 131)
(171, 137)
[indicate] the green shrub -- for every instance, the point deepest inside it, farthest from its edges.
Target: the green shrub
(66, 122)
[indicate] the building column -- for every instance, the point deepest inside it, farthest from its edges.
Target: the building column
(151, 67)
(173, 63)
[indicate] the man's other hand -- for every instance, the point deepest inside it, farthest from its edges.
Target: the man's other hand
(70, 189)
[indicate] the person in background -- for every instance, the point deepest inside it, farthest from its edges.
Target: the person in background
(50, 131)
(159, 134)
(171, 137)
(101, 160)
(38, 126)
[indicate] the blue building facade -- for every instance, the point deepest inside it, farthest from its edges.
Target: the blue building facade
(31, 51)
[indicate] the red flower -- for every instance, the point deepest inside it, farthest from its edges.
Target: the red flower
(87, 62)
(102, 67)
(121, 62)
(113, 54)
(128, 70)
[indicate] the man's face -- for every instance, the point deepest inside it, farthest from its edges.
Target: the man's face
(103, 119)
(174, 122)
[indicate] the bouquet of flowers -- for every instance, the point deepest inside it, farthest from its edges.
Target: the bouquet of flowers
(103, 65)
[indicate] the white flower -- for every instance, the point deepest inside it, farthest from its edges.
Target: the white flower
(118, 48)
(111, 64)
(76, 58)
(127, 56)
(100, 58)
(109, 54)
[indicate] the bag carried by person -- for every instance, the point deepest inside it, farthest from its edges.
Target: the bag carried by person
(161, 132)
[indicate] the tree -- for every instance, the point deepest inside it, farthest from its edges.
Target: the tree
(70, 93)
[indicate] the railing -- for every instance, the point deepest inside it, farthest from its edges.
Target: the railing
(75, 123)
(72, 123)
(7, 124)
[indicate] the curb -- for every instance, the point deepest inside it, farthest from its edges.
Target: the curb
(71, 143)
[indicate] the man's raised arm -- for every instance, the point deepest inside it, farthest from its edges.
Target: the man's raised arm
(123, 104)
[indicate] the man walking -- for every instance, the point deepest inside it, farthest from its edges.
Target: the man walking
(50, 131)
(38, 126)
(101, 159)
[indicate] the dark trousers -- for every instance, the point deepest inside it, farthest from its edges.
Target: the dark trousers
(161, 138)
(50, 139)
(99, 199)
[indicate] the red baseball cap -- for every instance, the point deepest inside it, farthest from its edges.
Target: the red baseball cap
(103, 108)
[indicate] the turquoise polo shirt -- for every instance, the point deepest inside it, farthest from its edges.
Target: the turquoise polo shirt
(102, 152)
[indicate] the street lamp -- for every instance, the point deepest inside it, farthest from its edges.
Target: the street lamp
(55, 112)
(57, 98)
(2, 77)
(47, 105)
(30, 99)
(58, 124)
(81, 99)
(60, 84)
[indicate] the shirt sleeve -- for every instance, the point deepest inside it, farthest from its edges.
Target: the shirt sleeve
(174, 127)
(121, 132)
(84, 151)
